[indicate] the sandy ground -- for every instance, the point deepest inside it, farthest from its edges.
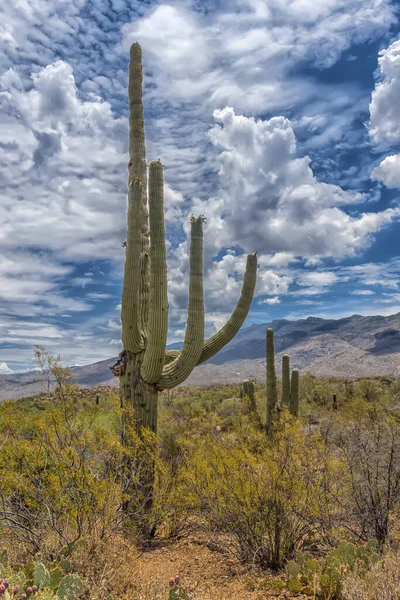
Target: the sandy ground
(210, 570)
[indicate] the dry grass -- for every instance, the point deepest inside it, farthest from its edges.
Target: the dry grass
(381, 583)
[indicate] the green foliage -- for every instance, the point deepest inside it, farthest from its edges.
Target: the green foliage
(59, 471)
(323, 578)
(34, 579)
(56, 576)
(266, 496)
(71, 586)
(41, 576)
(178, 591)
(4, 557)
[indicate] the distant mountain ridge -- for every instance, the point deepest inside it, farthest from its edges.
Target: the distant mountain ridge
(355, 346)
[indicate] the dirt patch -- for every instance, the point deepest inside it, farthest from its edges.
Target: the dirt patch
(209, 568)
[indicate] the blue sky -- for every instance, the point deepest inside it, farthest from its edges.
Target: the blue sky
(279, 120)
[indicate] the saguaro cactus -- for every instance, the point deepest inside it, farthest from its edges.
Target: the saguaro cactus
(285, 380)
(290, 386)
(294, 393)
(272, 398)
(248, 391)
(144, 366)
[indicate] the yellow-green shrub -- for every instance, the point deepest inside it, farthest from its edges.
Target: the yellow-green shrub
(266, 495)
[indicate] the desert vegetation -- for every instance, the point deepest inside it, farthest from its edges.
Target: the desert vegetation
(312, 512)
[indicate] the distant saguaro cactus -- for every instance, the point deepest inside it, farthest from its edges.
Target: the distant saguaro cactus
(285, 380)
(294, 393)
(272, 398)
(144, 366)
(290, 386)
(248, 390)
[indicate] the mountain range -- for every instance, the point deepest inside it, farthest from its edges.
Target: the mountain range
(352, 347)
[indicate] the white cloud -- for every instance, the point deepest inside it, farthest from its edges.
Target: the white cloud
(291, 211)
(362, 293)
(55, 137)
(269, 282)
(390, 299)
(388, 171)
(241, 55)
(384, 275)
(320, 278)
(5, 370)
(277, 260)
(172, 34)
(274, 300)
(385, 107)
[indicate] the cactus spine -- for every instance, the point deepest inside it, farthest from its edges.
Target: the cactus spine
(248, 391)
(294, 393)
(144, 366)
(285, 381)
(272, 399)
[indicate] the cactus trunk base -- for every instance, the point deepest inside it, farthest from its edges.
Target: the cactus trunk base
(139, 417)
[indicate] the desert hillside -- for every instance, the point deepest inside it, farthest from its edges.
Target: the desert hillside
(352, 347)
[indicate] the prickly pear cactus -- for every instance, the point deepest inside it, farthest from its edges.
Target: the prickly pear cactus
(4, 557)
(56, 576)
(45, 595)
(41, 576)
(71, 587)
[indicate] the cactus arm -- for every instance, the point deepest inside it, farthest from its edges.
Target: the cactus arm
(215, 343)
(131, 334)
(285, 380)
(171, 355)
(137, 170)
(294, 393)
(177, 371)
(271, 382)
(153, 361)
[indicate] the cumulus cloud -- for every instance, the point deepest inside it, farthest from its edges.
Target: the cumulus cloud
(68, 154)
(271, 201)
(277, 260)
(5, 370)
(240, 55)
(320, 278)
(388, 171)
(273, 300)
(315, 283)
(385, 107)
(66, 157)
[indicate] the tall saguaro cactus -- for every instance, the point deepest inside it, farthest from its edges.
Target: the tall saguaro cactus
(272, 398)
(144, 366)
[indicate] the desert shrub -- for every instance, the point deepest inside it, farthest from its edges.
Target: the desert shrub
(369, 389)
(369, 450)
(266, 496)
(323, 578)
(381, 582)
(66, 476)
(319, 392)
(59, 473)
